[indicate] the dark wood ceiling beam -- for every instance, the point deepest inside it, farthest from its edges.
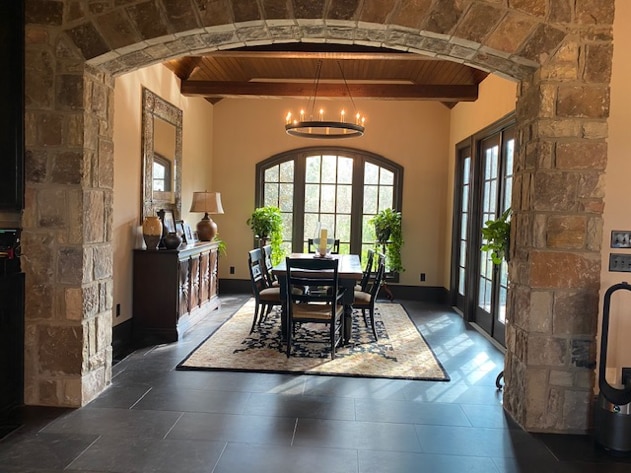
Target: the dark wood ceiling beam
(443, 93)
(184, 67)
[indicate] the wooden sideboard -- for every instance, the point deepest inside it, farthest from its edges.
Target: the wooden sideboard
(173, 289)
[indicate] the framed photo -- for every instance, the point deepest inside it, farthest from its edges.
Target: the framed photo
(168, 220)
(179, 229)
(188, 234)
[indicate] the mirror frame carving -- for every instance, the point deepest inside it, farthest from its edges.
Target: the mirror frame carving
(154, 106)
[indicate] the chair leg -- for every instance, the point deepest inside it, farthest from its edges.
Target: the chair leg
(365, 319)
(332, 336)
(256, 313)
(290, 329)
(267, 309)
(372, 323)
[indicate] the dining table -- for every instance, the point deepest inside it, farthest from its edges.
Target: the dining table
(349, 272)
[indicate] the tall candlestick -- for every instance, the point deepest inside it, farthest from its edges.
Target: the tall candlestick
(322, 246)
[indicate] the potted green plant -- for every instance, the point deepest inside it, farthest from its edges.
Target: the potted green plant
(388, 233)
(221, 247)
(267, 225)
(496, 235)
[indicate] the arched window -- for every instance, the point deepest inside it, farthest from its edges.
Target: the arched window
(340, 187)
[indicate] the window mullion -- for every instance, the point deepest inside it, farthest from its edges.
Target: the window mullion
(299, 203)
(357, 203)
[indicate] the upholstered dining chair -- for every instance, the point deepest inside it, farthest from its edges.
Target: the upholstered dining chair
(335, 250)
(265, 297)
(324, 307)
(365, 300)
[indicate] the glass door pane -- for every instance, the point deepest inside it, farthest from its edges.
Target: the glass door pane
(500, 316)
(490, 176)
(328, 197)
(461, 228)
(378, 195)
(278, 184)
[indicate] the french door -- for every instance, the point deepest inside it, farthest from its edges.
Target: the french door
(484, 178)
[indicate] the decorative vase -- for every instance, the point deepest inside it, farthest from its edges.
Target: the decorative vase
(152, 232)
(172, 241)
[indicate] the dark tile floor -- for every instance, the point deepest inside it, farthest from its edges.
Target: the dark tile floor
(155, 419)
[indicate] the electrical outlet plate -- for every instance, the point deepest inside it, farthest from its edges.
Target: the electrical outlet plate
(620, 262)
(621, 239)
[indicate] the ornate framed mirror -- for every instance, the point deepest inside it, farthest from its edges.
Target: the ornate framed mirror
(161, 156)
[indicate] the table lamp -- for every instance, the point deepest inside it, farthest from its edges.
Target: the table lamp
(209, 203)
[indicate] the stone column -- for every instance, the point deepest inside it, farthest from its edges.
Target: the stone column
(557, 230)
(67, 255)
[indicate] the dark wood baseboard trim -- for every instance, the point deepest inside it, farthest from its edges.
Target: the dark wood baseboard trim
(122, 340)
(235, 286)
(433, 294)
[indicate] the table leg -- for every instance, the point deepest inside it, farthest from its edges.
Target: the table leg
(348, 323)
(283, 322)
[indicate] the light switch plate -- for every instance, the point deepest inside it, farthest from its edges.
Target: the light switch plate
(621, 239)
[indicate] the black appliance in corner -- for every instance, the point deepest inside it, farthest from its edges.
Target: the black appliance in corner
(11, 329)
(612, 413)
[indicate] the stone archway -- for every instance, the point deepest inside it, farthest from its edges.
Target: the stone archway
(560, 50)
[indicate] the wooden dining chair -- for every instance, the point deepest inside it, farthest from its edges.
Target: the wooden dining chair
(365, 300)
(270, 279)
(335, 250)
(367, 273)
(265, 297)
(324, 307)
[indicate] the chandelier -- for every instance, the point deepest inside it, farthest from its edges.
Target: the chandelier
(316, 126)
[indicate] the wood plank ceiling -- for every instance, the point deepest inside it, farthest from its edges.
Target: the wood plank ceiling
(369, 73)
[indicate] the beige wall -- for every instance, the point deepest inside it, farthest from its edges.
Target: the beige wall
(196, 173)
(413, 134)
(617, 215)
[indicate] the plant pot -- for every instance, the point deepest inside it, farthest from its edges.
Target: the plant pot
(383, 235)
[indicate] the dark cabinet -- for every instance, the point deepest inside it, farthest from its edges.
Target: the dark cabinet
(12, 110)
(172, 290)
(11, 346)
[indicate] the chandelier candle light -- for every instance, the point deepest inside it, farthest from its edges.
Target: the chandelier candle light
(321, 128)
(209, 203)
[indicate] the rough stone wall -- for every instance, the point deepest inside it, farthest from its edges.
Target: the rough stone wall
(67, 219)
(555, 271)
(559, 49)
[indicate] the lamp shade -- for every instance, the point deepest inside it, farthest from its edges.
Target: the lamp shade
(207, 202)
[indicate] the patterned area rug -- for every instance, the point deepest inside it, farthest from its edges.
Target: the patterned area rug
(401, 351)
